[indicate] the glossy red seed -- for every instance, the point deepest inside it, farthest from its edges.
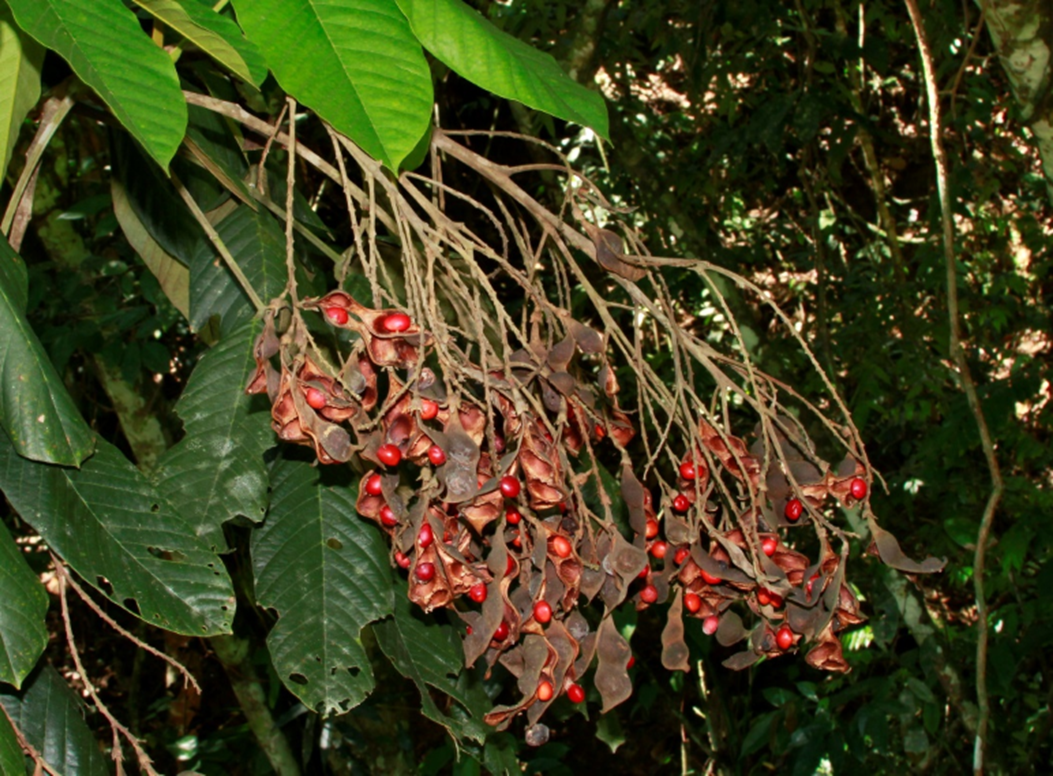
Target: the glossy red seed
(316, 399)
(649, 594)
(402, 559)
(769, 545)
(542, 612)
(794, 510)
(337, 315)
(651, 528)
(576, 694)
(561, 546)
(680, 503)
(544, 690)
(811, 582)
(784, 637)
(763, 597)
(692, 602)
(513, 516)
(681, 555)
(659, 549)
(374, 485)
(601, 432)
(436, 455)
(425, 571)
(502, 631)
(395, 322)
(425, 537)
(509, 486)
(428, 409)
(389, 455)
(709, 579)
(468, 630)
(631, 663)
(710, 625)
(776, 600)
(477, 592)
(644, 572)
(387, 517)
(517, 541)
(510, 566)
(858, 488)
(687, 470)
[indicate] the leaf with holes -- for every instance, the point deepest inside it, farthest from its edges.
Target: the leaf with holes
(23, 606)
(216, 472)
(108, 50)
(51, 717)
(36, 410)
(325, 571)
(213, 33)
(120, 535)
(472, 46)
(20, 61)
(430, 654)
(257, 243)
(366, 75)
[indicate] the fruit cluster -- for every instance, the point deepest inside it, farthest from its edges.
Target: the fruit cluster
(481, 494)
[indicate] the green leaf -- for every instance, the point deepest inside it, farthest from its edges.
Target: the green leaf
(36, 410)
(216, 472)
(11, 757)
(20, 61)
(366, 73)
(23, 605)
(760, 732)
(51, 717)
(468, 43)
(216, 35)
(14, 277)
(173, 277)
(110, 524)
(257, 242)
(430, 653)
(326, 572)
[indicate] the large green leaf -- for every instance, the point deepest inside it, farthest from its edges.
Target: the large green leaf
(23, 605)
(20, 61)
(430, 653)
(106, 47)
(216, 35)
(36, 410)
(325, 571)
(120, 535)
(257, 243)
(217, 471)
(51, 717)
(11, 758)
(469, 44)
(355, 62)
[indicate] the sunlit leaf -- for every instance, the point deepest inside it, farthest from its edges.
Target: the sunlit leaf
(20, 61)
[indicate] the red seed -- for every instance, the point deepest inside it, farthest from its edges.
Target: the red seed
(477, 592)
(542, 612)
(513, 516)
(784, 637)
(402, 559)
(681, 555)
(425, 537)
(425, 571)
(510, 486)
(510, 566)
(858, 488)
(575, 694)
(794, 510)
(709, 579)
(769, 545)
(428, 409)
(374, 485)
(517, 541)
(502, 631)
(808, 587)
(544, 690)
(659, 549)
(651, 528)
(395, 322)
(468, 630)
(436, 455)
(763, 597)
(387, 517)
(649, 594)
(692, 602)
(561, 546)
(687, 470)
(631, 663)
(680, 503)
(337, 315)
(389, 455)
(316, 399)
(710, 625)
(644, 572)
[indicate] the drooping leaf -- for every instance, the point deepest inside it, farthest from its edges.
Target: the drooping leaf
(325, 571)
(36, 410)
(366, 73)
(51, 717)
(121, 536)
(429, 653)
(257, 242)
(20, 61)
(107, 49)
(173, 277)
(471, 45)
(14, 277)
(23, 605)
(11, 758)
(216, 472)
(213, 146)
(216, 35)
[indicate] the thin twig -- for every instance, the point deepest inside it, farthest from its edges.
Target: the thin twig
(958, 354)
(290, 190)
